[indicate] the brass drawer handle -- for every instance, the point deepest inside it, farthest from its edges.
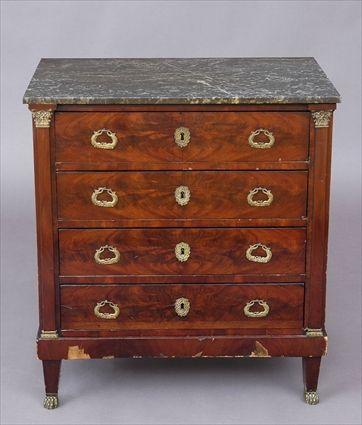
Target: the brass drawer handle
(182, 137)
(261, 145)
(182, 307)
(105, 204)
(104, 145)
(182, 195)
(108, 260)
(262, 313)
(182, 251)
(260, 203)
(257, 258)
(107, 316)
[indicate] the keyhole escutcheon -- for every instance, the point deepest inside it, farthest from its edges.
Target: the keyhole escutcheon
(182, 136)
(182, 306)
(182, 251)
(182, 195)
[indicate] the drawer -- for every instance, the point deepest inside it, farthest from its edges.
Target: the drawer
(132, 137)
(182, 251)
(101, 307)
(181, 195)
(162, 137)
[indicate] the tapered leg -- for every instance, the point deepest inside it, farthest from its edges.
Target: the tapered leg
(311, 367)
(51, 369)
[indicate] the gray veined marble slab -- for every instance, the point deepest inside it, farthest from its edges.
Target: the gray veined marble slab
(180, 81)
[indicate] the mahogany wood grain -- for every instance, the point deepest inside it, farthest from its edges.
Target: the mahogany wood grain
(151, 195)
(149, 136)
(51, 371)
(153, 306)
(217, 277)
(181, 166)
(316, 259)
(46, 236)
(152, 251)
(198, 346)
(311, 367)
(181, 223)
(224, 136)
(206, 278)
(177, 332)
(141, 137)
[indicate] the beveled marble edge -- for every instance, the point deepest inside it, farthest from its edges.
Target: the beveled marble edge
(179, 101)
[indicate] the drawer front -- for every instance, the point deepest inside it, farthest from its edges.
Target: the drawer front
(102, 307)
(182, 195)
(182, 251)
(246, 136)
(161, 137)
(140, 137)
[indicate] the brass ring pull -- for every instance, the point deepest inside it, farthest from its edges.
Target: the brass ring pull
(108, 260)
(182, 137)
(105, 204)
(260, 203)
(182, 251)
(107, 316)
(104, 145)
(182, 195)
(261, 145)
(257, 258)
(262, 313)
(182, 307)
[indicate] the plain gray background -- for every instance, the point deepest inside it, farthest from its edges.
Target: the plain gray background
(251, 391)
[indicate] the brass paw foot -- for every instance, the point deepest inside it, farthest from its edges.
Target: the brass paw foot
(311, 397)
(51, 401)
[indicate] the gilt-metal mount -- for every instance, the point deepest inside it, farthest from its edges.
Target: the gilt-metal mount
(321, 118)
(313, 332)
(42, 119)
(49, 335)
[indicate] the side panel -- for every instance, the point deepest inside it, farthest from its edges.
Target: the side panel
(318, 213)
(45, 215)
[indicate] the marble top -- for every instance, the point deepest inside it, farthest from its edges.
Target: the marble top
(180, 81)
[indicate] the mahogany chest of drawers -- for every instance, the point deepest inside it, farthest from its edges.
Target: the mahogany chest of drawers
(182, 209)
